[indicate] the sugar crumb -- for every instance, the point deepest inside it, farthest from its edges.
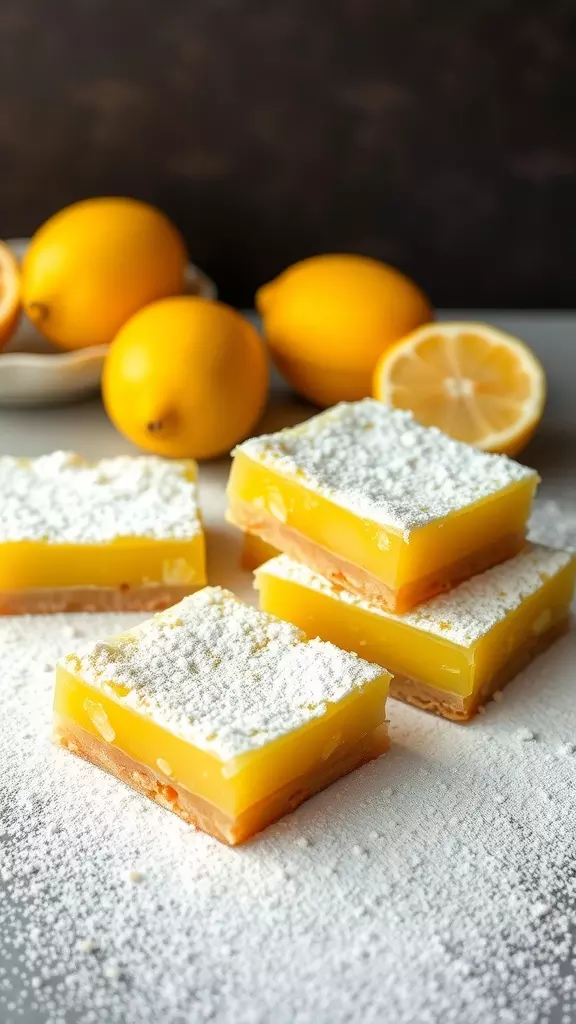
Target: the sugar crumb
(86, 946)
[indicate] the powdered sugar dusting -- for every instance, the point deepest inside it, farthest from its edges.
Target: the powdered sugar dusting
(378, 463)
(461, 616)
(220, 674)
(417, 897)
(62, 499)
(468, 833)
(554, 522)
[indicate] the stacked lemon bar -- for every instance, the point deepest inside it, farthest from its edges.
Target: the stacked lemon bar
(405, 546)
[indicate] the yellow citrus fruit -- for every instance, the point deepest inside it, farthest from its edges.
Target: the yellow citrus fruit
(474, 382)
(9, 293)
(329, 318)
(94, 264)
(186, 378)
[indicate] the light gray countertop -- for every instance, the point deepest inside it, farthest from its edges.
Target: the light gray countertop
(426, 753)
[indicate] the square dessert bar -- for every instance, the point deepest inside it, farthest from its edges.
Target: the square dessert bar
(452, 653)
(391, 510)
(221, 713)
(123, 533)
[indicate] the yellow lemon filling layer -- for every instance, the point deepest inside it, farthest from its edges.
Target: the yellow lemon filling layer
(455, 643)
(380, 550)
(235, 785)
(220, 699)
(122, 522)
(127, 561)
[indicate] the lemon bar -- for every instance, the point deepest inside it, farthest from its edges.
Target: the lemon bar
(255, 551)
(391, 510)
(123, 533)
(452, 653)
(224, 714)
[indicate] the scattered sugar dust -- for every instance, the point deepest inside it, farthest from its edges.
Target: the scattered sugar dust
(554, 522)
(437, 884)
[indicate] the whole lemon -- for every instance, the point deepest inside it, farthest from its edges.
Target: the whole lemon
(329, 318)
(186, 378)
(94, 264)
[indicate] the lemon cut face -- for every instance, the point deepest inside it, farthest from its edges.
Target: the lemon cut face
(474, 382)
(9, 293)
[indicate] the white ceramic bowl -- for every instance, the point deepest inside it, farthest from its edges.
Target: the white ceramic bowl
(35, 372)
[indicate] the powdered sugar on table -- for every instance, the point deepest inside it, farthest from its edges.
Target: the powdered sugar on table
(434, 886)
(379, 463)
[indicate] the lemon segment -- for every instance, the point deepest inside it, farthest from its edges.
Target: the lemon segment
(9, 293)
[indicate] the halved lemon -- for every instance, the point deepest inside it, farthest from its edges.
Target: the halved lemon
(474, 382)
(9, 293)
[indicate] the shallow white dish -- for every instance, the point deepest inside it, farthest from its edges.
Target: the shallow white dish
(35, 372)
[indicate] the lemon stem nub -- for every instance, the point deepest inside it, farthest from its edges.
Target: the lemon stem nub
(165, 423)
(37, 311)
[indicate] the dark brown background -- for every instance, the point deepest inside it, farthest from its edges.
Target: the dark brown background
(439, 136)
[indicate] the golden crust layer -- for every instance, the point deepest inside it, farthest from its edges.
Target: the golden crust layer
(200, 812)
(462, 709)
(354, 578)
(150, 597)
